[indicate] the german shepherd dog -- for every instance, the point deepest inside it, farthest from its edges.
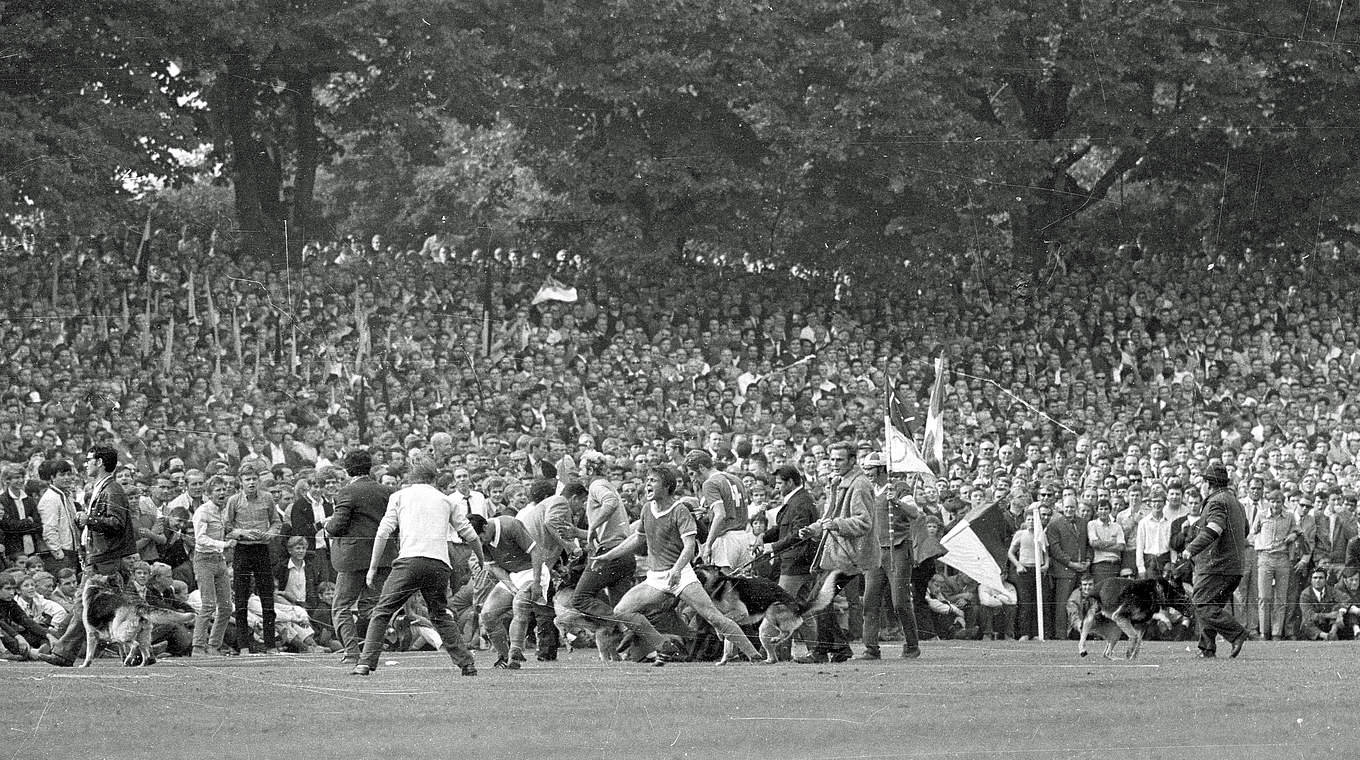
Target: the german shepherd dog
(112, 615)
(748, 601)
(1129, 606)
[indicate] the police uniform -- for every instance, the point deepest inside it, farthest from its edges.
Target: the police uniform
(1217, 551)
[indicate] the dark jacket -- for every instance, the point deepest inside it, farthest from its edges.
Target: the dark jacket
(14, 528)
(1065, 545)
(113, 535)
(1222, 539)
(301, 522)
(798, 513)
(309, 582)
(15, 622)
(359, 507)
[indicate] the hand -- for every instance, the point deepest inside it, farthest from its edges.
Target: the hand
(672, 579)
(231, 544)
(1301, 566)
(371, 577)
(58, 554)
(535, 591)
(144, 532)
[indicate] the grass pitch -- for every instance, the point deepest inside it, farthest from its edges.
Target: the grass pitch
(960, 700)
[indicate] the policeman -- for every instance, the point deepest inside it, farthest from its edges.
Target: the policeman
(1217, 555)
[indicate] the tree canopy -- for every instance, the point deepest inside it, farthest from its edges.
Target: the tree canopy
(834, 134)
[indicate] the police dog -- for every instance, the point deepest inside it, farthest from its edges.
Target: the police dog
(748, 601)
(111, 615)
(1129, 606)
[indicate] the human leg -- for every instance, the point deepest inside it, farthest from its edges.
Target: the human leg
(903, 603)
(875, 584)
(498, 603)
(406, 579)
(348, 586)
(262, 581)
(443, 620)
(1211, 596)
(205, 570)
(240, 588)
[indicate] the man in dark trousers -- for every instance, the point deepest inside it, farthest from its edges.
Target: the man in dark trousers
(111, 545)
(890, 531)
(1217, 552)
(1071, 558)
(795, 552)
(359, 507)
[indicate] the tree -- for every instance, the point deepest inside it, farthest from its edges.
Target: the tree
(854, 133)
(86, 102)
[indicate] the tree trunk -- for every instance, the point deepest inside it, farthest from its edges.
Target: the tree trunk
(254, 172)
(302, 214)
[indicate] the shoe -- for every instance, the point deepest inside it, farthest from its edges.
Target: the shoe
(361, 670)
(870, 654)
(911, 653)
(229, 652)
(517, 655)
(812, 658)
(504, 664)
(272, 650)
(56, 659)
(469, 670)
(350, 659)
(546, 657)
(660, 659)
(842, 656)
(1205, 654)
(1237, 644)
(200, 652)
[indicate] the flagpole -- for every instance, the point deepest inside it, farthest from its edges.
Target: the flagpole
(1038, 570)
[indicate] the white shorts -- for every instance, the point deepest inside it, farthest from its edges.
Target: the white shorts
(732, 549)
(657, 580)
(523, 578)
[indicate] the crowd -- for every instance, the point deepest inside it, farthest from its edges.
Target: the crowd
(1101, 391)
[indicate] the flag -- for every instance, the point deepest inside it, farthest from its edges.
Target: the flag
(554, 290)
(976, 545)
(141, 244)
(168, 357)
(193, 304)
(934, 440)
(903, 456)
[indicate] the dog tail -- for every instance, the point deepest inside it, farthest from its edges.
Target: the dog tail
(822, 599)
(161, 616)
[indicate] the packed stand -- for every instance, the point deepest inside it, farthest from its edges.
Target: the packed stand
(1102, 393)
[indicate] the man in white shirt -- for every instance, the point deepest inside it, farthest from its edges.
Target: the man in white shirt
(1107, 543)
(1152, 542)
(424, 518)
(61, 530)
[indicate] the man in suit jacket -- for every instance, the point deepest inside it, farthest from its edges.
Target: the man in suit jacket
(20, 521)
(1071, 558)
(1322, 607)
(307, 517)
(359, 507)
(842, 552)
(796, 512)
(1335, 529)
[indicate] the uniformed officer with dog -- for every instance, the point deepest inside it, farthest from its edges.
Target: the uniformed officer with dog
(1216, 552)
